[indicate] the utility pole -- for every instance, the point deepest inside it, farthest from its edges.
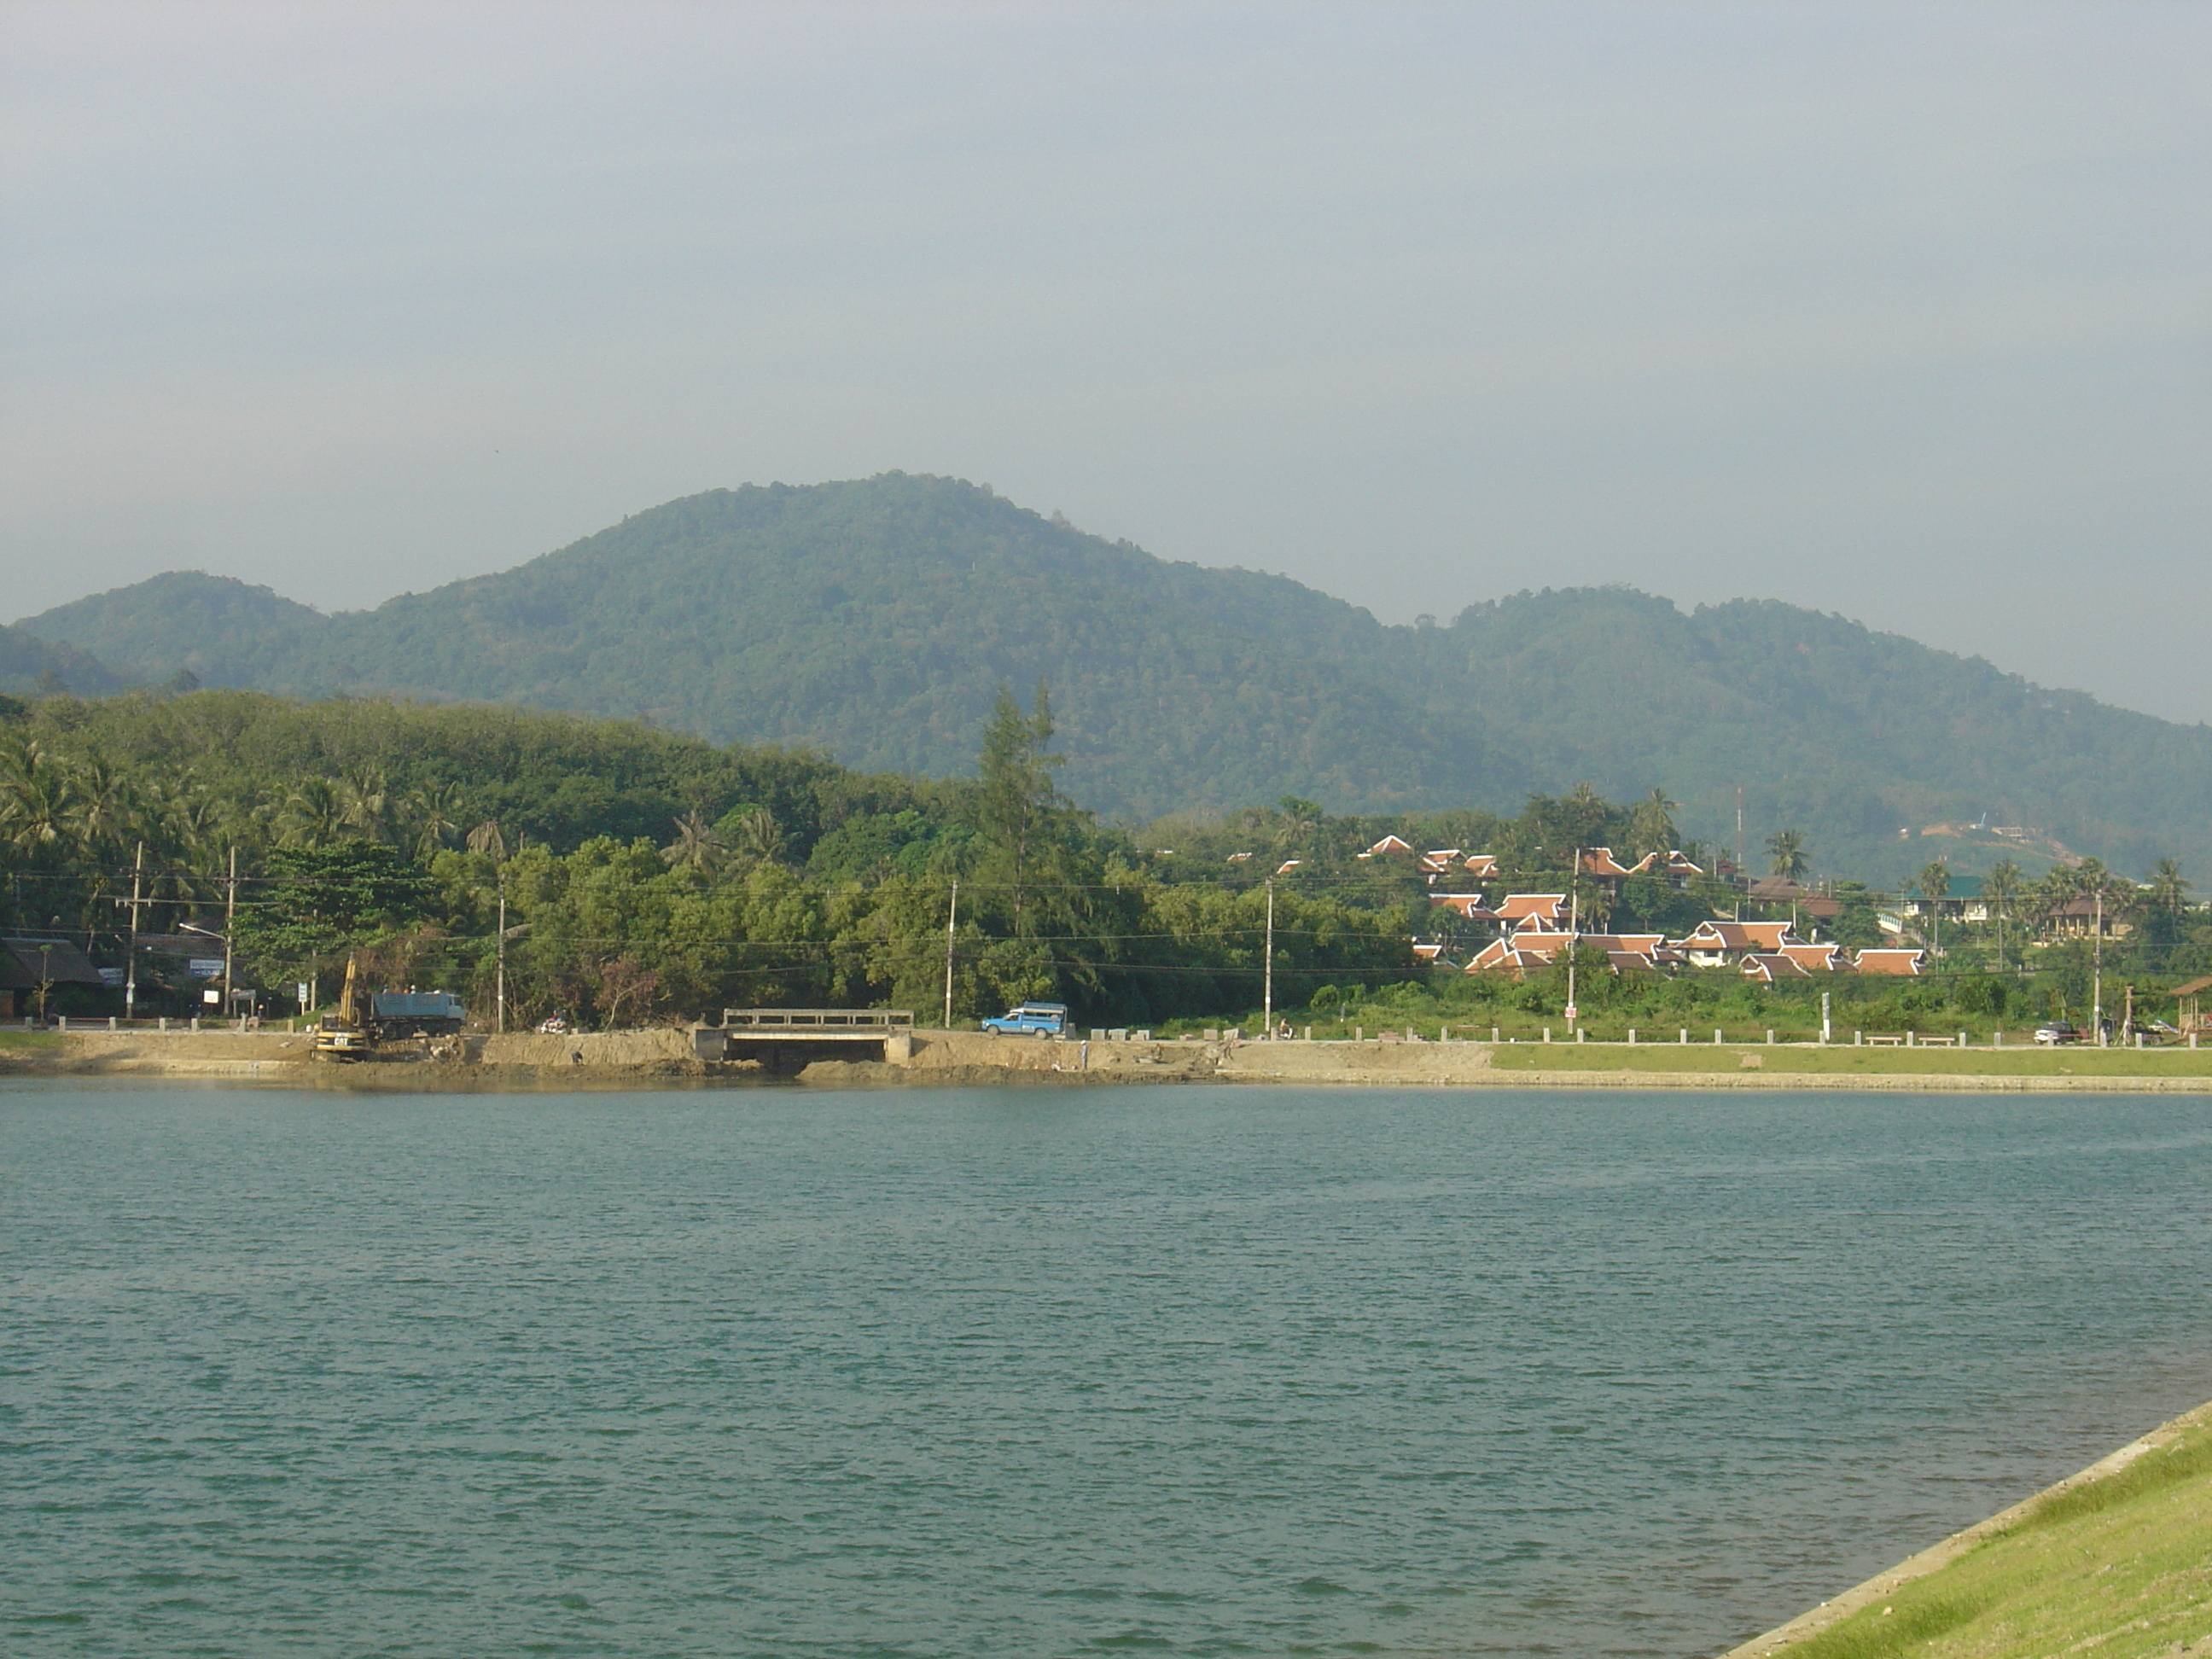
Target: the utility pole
(1267, 980)
(1574, 926)
(951, 920)
(229, 927)
(131, 960)
(1739, 852)
(1824, 1019)
(2097, 973)
(498, 1010)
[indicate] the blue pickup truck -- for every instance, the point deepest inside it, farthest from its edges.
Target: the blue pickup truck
(1042, 1019)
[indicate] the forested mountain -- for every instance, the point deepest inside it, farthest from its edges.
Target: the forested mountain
(876, 620)
(31, 664)
(218, 629)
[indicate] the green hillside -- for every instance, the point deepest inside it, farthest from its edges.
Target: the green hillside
(876, 619)
(216, 628)
(29, 663)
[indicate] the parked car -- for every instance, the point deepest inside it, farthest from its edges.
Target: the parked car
(1040, 1019)
(2059, 1031)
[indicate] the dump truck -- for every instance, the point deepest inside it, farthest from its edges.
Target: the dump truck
(416, 1013)
(363, 1018)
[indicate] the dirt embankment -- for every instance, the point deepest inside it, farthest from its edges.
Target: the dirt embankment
(606, 1058)
(950, 1057)
(163, 1054)
(595, 1056)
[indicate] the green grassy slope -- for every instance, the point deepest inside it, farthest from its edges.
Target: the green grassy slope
(2119, 1565)
(876, 619)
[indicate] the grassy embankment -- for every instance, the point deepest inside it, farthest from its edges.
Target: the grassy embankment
(1867, 1062)
(2119, 1565)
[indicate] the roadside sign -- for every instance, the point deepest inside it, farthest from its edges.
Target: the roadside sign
(1571, 1011)
(112, 978)
(211, 996)
(301, 992)
(206, 967)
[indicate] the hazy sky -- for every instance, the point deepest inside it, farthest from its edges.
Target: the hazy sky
(1902, 311)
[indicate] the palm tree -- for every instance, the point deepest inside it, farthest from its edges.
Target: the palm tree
(1651, 824)
(37, 804)
(365, 799)
(313, 815)
(696, 847)
(434, 812)
(1786, 851)
(2002, 887)
(1933, 881)
(103, 810)
(487, 838)
(2168, 897)
(760, 838)
(1295, 819)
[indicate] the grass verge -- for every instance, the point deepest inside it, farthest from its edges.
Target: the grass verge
(2119, 1565)
(1843, 1059)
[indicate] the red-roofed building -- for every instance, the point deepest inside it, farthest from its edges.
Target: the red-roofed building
(1469, 905)
(1813, 958)
(1499, 957)
(1533, 907)
(1766, 967)
(1671, 867)
(1905, 964)
(1389, 847)
(1715, 944)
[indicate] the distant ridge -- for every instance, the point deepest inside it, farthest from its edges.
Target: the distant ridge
(30, 664)
(876, 618)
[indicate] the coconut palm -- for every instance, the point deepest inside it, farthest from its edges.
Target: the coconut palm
(38, 805)
(365, 800)
(2169, 888)
(433, 814)
(1651, 824)
(759, 838)
(487, 838)
(315, 814)
(1785, 851)
(2002, 887)
(696, 847)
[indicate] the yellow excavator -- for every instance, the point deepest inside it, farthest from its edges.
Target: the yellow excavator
(346, 1035)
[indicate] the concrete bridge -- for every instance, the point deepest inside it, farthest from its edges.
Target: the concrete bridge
(787, 1039)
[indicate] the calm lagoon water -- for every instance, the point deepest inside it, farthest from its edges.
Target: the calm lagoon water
(1201, 1371)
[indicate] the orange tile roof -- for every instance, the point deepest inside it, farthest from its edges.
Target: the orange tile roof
(1817, 958)
(1517, 906)
(1772, 966)
(1904, 963)
(1469, 905)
